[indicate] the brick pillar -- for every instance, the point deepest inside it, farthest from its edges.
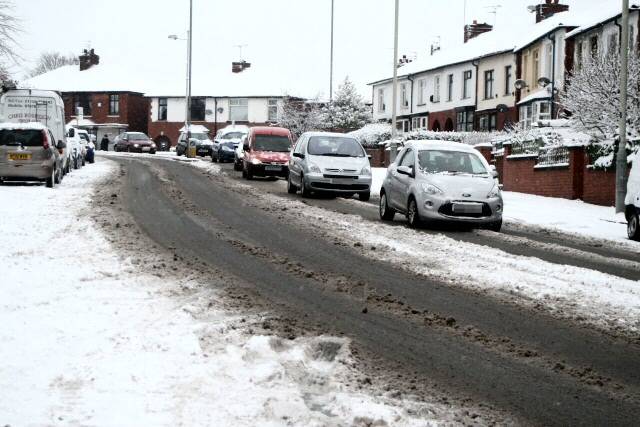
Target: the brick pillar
(577, 165)
(486, 152)
(505, 167)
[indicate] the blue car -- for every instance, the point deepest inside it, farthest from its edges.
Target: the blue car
(223, 152)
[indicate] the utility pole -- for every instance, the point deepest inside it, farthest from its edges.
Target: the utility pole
(331, 61)
(621, 161)
(189, 47)
(394, 101)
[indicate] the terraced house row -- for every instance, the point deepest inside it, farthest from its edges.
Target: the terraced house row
(502, 76)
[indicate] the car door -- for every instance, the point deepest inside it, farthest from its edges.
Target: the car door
(400, 183)
(296, 162)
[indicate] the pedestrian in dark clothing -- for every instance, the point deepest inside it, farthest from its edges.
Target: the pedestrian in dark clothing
(104, 143)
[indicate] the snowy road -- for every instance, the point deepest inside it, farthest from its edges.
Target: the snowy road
(539, 357)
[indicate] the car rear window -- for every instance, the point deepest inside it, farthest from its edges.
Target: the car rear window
(275, 143)
(23, 137)
(138, 137)
(233, 135)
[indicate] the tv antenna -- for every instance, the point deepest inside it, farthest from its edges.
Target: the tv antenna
(493, 10)
(240, 46)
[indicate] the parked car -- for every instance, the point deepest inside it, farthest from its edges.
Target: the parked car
(227, 141)
(134, 142)
(76, 144)
(266, 152)
(632, 201)
(329, 162)
(436, 181)
(29, 152)
(200, 136)
(239, 156)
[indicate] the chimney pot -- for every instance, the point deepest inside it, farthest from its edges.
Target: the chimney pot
(475, 29)
(548, 9)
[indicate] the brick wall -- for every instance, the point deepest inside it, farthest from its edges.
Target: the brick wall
(599, 187)
(441, 117)
(134, 109)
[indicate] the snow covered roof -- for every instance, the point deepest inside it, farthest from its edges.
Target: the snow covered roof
(22, 126)
(542, 29)
(168, 80)
(195, 129)
(603, 14)
(540, 94)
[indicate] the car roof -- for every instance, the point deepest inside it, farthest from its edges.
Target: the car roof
(335, 134)
(269, 130)
(234, 128)
(439, 145)
(23, 126)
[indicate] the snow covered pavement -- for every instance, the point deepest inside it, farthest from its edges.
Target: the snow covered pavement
(92, 337)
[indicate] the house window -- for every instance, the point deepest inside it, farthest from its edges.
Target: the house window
(162, 109)
(464, 121)
(466, 78)
(436, 89)
(419, 123)
(579, 53)
(450, 87)
(549, 61)
(239, 110)
(488, 84)
(272, 110)
(593, 43)
(381, 106)
(544, 111)
(507, 80)
(526, 116)
(525, 67)
(422, 84)
(114, 105)
(197, 109)
(536, 65)
(612, 45)
(83, 100)
(404, 100)
(487, 122)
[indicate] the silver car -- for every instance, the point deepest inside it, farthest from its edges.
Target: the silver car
(29, 152)
(329, 162)
(442, 181)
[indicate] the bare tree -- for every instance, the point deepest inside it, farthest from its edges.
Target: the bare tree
(300, 116)
(9, 28)
(593, 100)
(50, 61)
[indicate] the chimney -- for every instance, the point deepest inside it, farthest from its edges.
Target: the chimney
(238, 67)
(475, 29)
(88, 59)
(548, 9)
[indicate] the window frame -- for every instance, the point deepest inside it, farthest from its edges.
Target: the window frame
(450, 87)
(114, 104)
(78, 102)
(381, 105)
(272, 106)
(436, 89)
(467, 75)
(422, 86)
(489, 79)
(404, 99)
(236, 104)
(507, 80)
(163, 109)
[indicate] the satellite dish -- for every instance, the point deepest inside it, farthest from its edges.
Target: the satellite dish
(502, 108)
(544, 82)
(520, 84)
(220, 110)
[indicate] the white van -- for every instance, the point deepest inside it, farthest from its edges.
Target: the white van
(632, 201)
(37, 106)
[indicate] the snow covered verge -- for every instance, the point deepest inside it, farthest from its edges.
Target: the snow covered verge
(91, 336)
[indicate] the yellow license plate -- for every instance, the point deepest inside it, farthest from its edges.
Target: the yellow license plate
(19, 156)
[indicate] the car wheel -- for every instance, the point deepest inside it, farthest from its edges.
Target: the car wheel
(495, 226)
(237, 166)
(249, 172)
(215, 158)
(386, 213)
(51, 181)
(633, 226)
(291, 188)
(413, 215)
(84, 161)
(304, 189)
(364, 197)
(244, 170)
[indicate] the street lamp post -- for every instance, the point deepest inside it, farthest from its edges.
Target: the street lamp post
(621, 160)
(331, 60)
(189, 62)
(394, 101)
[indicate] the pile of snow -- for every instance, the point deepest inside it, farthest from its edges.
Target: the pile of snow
(372, 134)
(89, 338)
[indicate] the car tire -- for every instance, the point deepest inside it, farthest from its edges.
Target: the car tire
(244, 170)
(386, 213)
(215, 158)
(304, 189)
(495, 226)
(84, 161)
(365, 196)
(237, 166)
(413, 214)
(633, 226)
(51, 181)
(249, 172)
(291, 188)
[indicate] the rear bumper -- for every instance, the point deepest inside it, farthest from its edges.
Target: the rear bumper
(36, 172)
(203, 151)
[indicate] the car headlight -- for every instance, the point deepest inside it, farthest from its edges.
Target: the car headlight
(256, 161)
(495, 192)
(366, 171)
(431, 189)
(314, 168)
(136, 145)
(153, 145)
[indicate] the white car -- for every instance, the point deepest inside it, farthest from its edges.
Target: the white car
(76, 147)
(632, 201)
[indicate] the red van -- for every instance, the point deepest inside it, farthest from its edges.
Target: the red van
(266, 152)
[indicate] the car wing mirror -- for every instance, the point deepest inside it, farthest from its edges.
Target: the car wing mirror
(298, 155)
(246, 147)
(404, 170)
(494, 171)
(61, 145)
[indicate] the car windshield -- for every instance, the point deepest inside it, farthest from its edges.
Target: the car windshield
(277, 143)
(453, 162)
(334, 146)
(83, 136)
(138, 137)
(200, 136)
(228, 144)
(23, 137)
(233, 135)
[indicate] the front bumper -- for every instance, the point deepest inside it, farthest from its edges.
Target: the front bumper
(442, 208)
(339, 183)
(270, 169)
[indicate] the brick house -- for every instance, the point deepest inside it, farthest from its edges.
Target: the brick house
(108, 105)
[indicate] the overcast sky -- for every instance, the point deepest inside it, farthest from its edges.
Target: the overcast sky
(288, 36)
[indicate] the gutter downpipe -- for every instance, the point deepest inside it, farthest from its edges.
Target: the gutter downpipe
(552, 38)
(411, 78)
(476, 64)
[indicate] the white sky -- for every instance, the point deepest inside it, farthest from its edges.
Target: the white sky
(288, 36)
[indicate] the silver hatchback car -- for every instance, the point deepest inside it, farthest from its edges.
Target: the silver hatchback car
(329, 162)
(442, 181)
